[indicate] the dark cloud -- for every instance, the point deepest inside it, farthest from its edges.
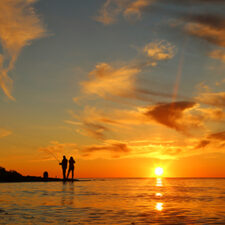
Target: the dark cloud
(170, 114)
(207, 27)
(116, 149)
(211, 20)
(218, 136)
(95, 130)
(203, 144)
(192, 1)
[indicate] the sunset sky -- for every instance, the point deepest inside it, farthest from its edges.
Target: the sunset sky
(124, 86)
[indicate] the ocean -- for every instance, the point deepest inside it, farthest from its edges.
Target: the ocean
(114, 201)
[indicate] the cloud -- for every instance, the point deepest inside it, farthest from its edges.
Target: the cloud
(4, 133)
(94, 129)
(155, 148)
(19, 26)
(159, 50)
(218, 54)
(115, 149)
(136, 7)
(215, 140)
(172, 115)
(107, 81)
(133, 9)
(212, 34)
(203, 144)
(90, 122)
(55, 150)
(132, 149)
(111, 9)
(215, 99)
(216, 114)
(207, 26)
(218, 136)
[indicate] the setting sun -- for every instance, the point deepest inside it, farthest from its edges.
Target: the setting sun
(159, 171)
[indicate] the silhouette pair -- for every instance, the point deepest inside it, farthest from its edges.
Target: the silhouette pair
(64, 167)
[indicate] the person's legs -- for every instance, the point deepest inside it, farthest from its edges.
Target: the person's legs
(64, 173)
(68, 173)
(72, 173)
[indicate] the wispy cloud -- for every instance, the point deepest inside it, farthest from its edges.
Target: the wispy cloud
(135, 8)
(111, 9)
(19, 26)
(214, 140)
(55, 150)
(218, 54)
(213, 98)
(218, 136)
(110, 148)
(208, 27)
(108, 81)
(4, 133)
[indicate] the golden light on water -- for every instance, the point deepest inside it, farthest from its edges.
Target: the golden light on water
(159, 182)
(159, 206)
(158, 194)
(158, 171)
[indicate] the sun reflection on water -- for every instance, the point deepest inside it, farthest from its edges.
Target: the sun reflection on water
(159, 206)
(158, 194)
(159, 182)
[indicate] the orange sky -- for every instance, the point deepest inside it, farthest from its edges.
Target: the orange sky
(123, 86)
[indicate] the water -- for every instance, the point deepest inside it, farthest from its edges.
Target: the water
(114, 201)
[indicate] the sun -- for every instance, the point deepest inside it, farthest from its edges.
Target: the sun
(159, 171)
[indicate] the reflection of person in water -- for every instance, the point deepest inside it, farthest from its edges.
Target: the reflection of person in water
(71, 167)
(64, 166)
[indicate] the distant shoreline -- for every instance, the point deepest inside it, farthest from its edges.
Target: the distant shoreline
(27, 179)
(12, 176)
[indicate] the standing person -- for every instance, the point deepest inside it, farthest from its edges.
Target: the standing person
(71, 167)
(64, 166)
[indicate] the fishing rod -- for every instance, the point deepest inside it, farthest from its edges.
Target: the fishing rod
(52, 154)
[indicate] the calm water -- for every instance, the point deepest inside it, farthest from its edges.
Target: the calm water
(114, 201)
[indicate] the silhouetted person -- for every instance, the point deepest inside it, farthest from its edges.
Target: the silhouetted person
(71, 167)
(45, 175)
(64, 166)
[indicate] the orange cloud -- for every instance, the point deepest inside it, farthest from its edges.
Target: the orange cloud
(172, 115)
(4, 133)
(19, 26)
(215, 114)
(218, 136)
(158, 149)
(111, 9)
(106, 80)
(136, 7)
(213, 34)
(218, 54)
(159, 50)
(202, 144)
(215, 99)
(115, 149)
(216, 140)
